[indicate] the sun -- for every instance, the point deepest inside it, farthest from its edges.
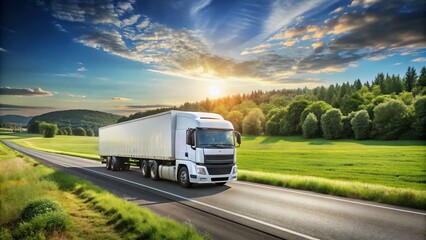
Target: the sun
(214, 91)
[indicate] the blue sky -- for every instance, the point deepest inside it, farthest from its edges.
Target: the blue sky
(128, 56)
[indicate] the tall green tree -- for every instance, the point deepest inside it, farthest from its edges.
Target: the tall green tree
(330, 94)
(331, 123)
(351, 103)
(358, 84)
(48, 130)
(422, 78)
(253, 122)
(410, 79)
(380, 81)
(390, 119)
(310, 126)
(361, 125)
(420, 117)
(318, 109)
(236, 118)
(272, 126)
(79, 131)
(290, 123)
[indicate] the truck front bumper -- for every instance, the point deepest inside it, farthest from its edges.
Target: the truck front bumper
(200, 175)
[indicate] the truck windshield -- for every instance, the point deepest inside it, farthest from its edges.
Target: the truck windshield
(215, 138)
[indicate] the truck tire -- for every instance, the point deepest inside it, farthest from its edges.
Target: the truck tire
(108, 163)
(154, 171)
(115, 164)
(145, 168)
(183, 177)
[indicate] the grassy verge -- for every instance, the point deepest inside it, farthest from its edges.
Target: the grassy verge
(93, 212)
(371, 192)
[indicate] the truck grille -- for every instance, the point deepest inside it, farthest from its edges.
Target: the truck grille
(219, 159)
(219, 170)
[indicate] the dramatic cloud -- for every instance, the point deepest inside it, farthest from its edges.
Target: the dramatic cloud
(25, 92)
(365, 29)
(120, 99)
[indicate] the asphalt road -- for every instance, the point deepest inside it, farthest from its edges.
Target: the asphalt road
(245, 210)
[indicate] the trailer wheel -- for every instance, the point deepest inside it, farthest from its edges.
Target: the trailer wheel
(183, 177)
(115, 164)
(108, 163)
(145, 168)
(154, 170)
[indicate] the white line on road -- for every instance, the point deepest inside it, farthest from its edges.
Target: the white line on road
(331, 198)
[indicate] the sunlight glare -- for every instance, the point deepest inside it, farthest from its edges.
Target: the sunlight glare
(214, 91)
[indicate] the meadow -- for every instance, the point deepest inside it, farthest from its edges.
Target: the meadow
(383, 171)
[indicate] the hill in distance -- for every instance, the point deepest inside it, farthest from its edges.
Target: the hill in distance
(86, 119)
(15, 119)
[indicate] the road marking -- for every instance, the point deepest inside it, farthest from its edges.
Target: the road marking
(329, 197)
(190, 200)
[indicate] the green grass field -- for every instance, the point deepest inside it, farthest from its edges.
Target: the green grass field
(389, 163)
(69, 145)
(384, 171)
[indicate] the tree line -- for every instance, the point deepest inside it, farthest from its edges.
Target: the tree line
(49, 130)
(388, 107)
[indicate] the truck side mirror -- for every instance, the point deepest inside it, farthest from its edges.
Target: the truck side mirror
(238, 136)
(190, 137)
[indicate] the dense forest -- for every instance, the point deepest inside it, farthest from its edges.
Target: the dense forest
(74, 122)
(388, 107)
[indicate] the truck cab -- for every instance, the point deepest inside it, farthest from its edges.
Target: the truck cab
(206, 147)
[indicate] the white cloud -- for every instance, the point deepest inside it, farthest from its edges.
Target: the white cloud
(130, 21)
(82, 69)
(284, 12)
(198, 6)
(27, 92)
(75, 96)
(337, 10)
(3, 50)
(397, 64)
(120, 99)
(420, 59)
(59, 27)
(71, 75)
(143, 24)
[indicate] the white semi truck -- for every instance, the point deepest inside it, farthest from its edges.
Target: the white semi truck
(187, 147)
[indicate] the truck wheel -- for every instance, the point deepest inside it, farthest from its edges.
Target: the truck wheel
(145, 168)
(183, 177)
(108, 163)
(115, 164)
(154, 170)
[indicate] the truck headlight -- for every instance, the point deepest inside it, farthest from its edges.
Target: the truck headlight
(201, 170)
(235, 170)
